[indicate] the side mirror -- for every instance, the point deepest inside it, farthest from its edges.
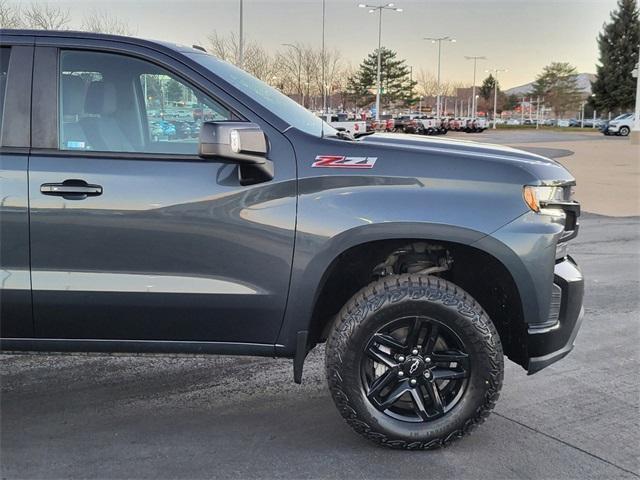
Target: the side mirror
(241, 142)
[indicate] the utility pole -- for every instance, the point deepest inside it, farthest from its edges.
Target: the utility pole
(324, 61)
(635, 132)
(495, 72)
(379, 9)
(473, 94)
(241, 39)
(439, 41)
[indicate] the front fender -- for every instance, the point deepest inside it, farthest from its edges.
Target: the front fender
(311, 264)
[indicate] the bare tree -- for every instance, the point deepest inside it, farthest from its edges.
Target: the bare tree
(256, 60)
(332, 71)
(427, 83)
(102, 22)
(10, 15)
(225, 48)
(290, 68)
(43, 16)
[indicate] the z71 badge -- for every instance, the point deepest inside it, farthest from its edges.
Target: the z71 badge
(337, 161)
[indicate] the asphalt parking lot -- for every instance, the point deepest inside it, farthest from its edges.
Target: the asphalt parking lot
(104, 416)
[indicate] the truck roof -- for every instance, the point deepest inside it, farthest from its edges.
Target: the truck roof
(76, 34)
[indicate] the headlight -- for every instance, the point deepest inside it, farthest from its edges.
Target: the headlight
(538, 197)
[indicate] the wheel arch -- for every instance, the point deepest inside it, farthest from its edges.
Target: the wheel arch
(315, 298)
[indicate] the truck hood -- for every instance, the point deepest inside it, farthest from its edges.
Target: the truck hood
(546, 169)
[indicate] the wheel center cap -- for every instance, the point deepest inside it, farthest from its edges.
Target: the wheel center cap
(414, 366)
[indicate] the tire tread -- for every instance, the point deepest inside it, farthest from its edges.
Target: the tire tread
(418, 287)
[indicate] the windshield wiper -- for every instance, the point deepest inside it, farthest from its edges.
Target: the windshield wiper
(364, 134)
(344, 135)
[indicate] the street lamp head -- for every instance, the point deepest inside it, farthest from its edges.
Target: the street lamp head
(362, 5)
(452, 40)
(398, 10)
(372, 10)
(390, 4)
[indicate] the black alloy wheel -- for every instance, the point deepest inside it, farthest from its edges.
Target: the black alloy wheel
(414, 362)
(415, 370)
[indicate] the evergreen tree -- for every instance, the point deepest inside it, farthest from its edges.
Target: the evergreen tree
(486, 90)
(511, 102)
(615, 87)
(397, 86)
(558, 86)
(174, 90)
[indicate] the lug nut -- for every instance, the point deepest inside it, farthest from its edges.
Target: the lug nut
(401, 358)
(401, 373)
(414, 351)
(413, 381)
(428, 360)
(427, 374)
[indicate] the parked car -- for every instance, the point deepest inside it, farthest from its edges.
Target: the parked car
(621, 125)
(406, 123)
(591, 123)
(183, 129)
(167, 129)
(420, 262)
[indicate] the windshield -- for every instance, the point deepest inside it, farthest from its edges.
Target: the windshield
(623, 116)
(270, 98)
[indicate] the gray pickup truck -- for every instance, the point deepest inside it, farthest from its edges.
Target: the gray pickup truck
(156, 199)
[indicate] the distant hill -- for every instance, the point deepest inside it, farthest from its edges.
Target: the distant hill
(584, 82)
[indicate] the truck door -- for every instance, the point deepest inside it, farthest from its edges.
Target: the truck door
(133, 236)
(16, 60)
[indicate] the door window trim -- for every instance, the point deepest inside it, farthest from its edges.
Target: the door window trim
(16, 122)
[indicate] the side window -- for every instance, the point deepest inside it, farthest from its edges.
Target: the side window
(116, 103)
(174, 111)
(4, 68)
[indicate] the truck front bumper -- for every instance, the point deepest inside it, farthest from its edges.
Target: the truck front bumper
(549, 344)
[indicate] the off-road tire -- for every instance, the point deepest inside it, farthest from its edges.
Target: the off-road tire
(413, 294)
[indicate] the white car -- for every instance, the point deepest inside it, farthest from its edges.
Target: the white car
(621, 125)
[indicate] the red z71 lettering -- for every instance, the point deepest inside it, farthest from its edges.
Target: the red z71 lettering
(339, 161)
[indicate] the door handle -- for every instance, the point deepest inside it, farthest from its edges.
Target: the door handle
(71, 189)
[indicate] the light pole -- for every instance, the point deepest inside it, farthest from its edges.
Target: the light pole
(439, 41)
(635, 133)
(379, 9)
(495, 72)
(241, 39)
(473, 94)
(324, 61)
(291, 45)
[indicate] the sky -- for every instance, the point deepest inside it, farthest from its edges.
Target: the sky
(519, 35)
